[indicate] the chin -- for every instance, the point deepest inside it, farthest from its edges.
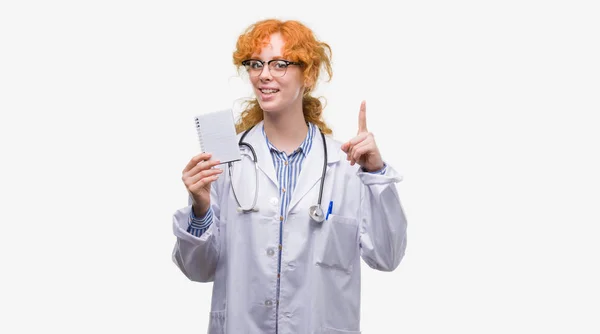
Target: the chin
(269, 107)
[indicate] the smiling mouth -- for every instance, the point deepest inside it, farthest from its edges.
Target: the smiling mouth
(269, 91)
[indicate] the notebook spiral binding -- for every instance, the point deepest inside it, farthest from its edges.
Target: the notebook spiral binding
(199, 131)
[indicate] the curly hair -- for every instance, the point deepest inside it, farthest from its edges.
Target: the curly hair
(301, 46)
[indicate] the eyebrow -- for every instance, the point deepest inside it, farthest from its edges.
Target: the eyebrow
(274, 58)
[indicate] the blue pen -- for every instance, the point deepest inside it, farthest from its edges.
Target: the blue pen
(329, 210)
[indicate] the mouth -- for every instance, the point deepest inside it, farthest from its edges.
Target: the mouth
(269, 91)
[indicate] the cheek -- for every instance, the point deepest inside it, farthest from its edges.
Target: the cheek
(294, 87)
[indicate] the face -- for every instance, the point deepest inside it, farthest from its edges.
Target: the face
(277, 94)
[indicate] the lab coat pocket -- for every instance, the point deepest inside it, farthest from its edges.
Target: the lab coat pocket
(338, 246)
(216, 323)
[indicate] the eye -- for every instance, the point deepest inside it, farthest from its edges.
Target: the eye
(280, 64)
(253, 64)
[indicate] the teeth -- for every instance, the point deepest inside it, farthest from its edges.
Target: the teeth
(269, 91)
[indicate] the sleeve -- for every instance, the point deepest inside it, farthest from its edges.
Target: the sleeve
(197, 226)
(197, 254)
(382, 220)
(380, 172)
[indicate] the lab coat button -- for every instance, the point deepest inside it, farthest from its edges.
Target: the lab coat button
(268, 302)
(274, 201)
(270, 252)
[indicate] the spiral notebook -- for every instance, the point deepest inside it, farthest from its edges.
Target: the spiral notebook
(216, 132)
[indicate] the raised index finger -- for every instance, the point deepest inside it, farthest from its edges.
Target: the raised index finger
(362, 117)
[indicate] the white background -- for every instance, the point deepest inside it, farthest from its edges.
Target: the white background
(488, 108)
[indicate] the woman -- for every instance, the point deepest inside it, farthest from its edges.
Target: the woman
(276, 269)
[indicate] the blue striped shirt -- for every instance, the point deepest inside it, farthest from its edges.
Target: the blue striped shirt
(287, 167)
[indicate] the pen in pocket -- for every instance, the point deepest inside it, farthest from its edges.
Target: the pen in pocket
(329, 210)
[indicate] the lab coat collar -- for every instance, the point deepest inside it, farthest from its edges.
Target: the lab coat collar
(312, 167)
(263, 154)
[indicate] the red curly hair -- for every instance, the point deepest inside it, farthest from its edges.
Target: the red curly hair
(300, 46)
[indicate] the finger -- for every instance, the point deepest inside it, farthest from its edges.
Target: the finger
(195, 160)
(359, 138)
(362, 117)
(361, 150)
(352, 155)
(191, 179)
(345, 147)
(353, 142)
(203, 183)
(203, 165)
(206, 176)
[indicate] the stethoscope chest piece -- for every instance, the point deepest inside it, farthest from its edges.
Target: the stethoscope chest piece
(316, 213)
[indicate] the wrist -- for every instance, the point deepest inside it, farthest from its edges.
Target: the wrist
(375, 171)
(199, 211)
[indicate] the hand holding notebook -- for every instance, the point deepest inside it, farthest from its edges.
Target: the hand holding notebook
(216, 132)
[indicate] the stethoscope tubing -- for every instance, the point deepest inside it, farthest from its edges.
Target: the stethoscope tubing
(255, 159)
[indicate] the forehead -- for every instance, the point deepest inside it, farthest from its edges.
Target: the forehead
(272, 47)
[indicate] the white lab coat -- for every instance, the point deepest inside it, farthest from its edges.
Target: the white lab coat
(320, 262)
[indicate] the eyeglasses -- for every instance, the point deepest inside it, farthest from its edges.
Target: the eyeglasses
(277, 67)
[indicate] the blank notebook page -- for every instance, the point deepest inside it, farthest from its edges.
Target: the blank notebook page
(216, 132)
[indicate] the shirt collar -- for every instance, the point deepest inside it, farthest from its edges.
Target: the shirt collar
(304, 147)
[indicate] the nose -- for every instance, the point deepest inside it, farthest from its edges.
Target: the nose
(265, 74)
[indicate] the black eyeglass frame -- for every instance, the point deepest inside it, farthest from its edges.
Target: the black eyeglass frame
(262, 63)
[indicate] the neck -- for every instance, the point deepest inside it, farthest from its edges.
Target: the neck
(286, 130)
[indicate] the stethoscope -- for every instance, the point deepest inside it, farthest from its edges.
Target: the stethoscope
(315, 212)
